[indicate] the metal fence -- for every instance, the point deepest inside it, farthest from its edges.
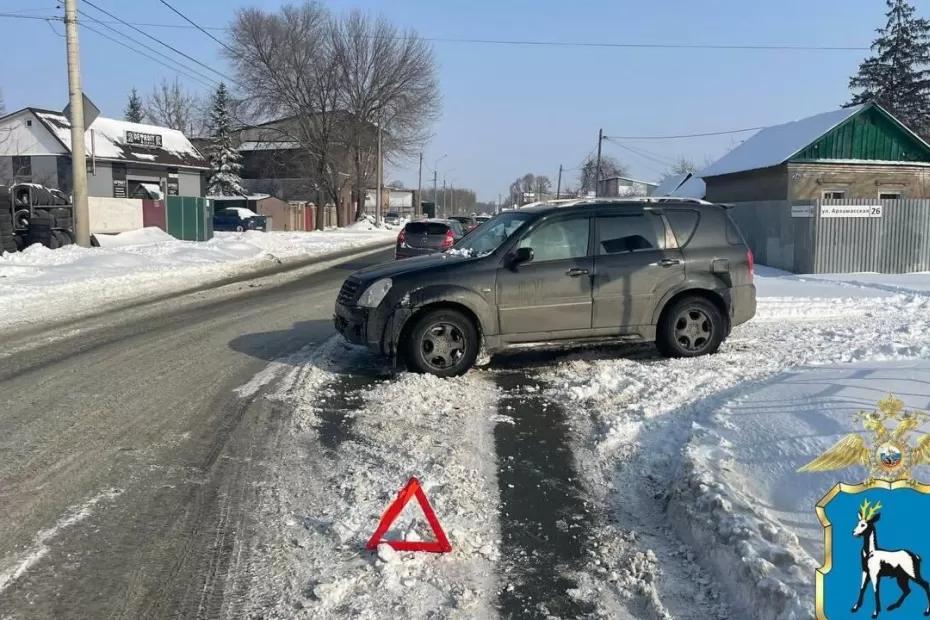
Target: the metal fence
(838, 236)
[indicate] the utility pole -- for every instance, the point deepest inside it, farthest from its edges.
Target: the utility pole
(452, 197)
(435, 190)
(444, 214)
(597, 169)
(380, 180)
(558, 187)
(417, 207)
(78, 156)
(498, 204)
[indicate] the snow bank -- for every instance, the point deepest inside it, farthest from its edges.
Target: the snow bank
(329, 498)
(644, 419)
(40, 285)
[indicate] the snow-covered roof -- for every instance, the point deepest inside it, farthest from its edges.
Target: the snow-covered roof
(240, 197)
(694, 187)
(110, 141)
(268, 146)
(630, 179)
(670, 183)
(774, 145)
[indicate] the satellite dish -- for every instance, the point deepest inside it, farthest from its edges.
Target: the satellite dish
(91, 112)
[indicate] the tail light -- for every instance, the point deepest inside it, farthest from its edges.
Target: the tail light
(448, 241)
(752, 263)
(401, 237)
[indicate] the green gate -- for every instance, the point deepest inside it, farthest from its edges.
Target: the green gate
(189, 218)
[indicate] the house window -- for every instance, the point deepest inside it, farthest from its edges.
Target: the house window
(889, 195)
(834, 194)
(22, 167)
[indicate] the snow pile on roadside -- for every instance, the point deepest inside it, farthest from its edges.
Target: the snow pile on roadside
(741, 490)
(639, 412)
(334, 487)
(39, 284)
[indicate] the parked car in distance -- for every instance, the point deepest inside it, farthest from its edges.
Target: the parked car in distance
(467, 221)
(427, 237)
(238, 219)
(392, 218)
(675, 272)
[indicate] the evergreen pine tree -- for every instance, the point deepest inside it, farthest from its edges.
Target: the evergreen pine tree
(224, 159)
(897, 76)
(135, 113)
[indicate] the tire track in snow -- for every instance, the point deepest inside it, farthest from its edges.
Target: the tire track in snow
(545, 520)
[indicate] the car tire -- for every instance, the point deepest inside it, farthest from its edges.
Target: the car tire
(442, 342)
(691, 327)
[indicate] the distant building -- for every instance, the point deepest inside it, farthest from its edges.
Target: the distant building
(124, 160)
(624, 187)
(851, 153)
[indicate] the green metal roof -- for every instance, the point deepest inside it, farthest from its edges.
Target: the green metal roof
(873, 135)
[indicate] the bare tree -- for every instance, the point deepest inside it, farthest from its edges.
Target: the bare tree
(610, 167)
(286, 62)
(2, 104)
(169, 105)
(682, 165)
(386, 78)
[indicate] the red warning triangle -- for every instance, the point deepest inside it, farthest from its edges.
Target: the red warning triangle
(412, 489)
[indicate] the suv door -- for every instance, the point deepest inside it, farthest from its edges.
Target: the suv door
(551, 294)
(636, 261)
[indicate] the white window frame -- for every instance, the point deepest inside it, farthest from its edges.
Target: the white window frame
(898, 194)
(823, 194)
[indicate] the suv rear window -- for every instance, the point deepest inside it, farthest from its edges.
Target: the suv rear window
(629, 233)
(428, 228)
(683, 223)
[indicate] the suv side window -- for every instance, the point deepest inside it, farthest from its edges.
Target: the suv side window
(629, 233)
(683, 223)
(559, 239)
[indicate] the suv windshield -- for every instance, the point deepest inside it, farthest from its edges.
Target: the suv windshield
(490, 235)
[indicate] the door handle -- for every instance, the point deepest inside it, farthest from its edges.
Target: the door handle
(668, 262)
(575, 272)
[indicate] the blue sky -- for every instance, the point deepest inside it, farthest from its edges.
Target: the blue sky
(508, 110)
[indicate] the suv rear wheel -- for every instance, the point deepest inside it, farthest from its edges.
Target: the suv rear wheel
(691, 327)
(443, 343)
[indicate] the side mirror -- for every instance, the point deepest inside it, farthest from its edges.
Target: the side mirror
(522, 255)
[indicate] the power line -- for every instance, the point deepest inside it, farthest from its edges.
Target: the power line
(654, 157)
(152, 58)
(593, 44)
(172, 48)
(212, 82)
(690, 135)
(195, 25)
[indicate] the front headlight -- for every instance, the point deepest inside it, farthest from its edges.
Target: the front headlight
(375, 293)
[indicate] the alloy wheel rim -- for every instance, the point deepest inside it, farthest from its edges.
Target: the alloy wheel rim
(442, 345)
(693, 329)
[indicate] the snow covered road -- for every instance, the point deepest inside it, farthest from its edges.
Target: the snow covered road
(604, 482)
(573, 483)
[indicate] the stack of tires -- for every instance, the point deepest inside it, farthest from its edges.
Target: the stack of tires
(38, 215)
(7, 238)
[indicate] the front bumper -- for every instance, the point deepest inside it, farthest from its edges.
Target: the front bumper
(375, 328)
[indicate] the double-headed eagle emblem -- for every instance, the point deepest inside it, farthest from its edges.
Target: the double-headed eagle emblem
(890, 456)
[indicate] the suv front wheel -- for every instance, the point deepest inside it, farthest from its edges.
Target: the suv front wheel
(692, 326)
(443, 343)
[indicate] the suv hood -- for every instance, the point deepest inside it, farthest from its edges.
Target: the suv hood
(409, 265)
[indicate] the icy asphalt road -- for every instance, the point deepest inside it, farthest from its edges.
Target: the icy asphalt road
(129, 467)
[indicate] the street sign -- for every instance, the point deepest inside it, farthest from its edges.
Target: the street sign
(91, 112)
(802, 210)
(874, 210)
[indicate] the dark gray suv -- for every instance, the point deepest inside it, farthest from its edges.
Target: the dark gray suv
(676, 272)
